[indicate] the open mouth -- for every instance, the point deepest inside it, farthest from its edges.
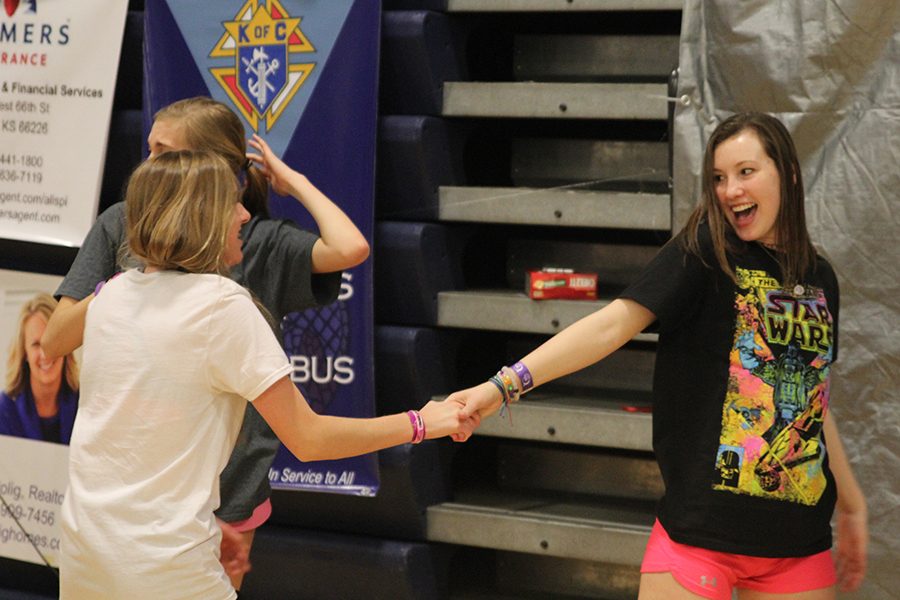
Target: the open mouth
(743, 212)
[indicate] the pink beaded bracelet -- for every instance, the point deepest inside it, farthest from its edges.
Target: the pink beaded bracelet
(418, 425)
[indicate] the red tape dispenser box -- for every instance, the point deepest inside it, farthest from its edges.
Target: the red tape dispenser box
(560, 284)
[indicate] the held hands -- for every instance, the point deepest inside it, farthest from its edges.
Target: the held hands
(460, 414)
(480, 401)
(272, 167)
(447, 418)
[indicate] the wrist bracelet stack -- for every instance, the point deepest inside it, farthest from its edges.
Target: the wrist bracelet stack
(418, 425)
(511, 388)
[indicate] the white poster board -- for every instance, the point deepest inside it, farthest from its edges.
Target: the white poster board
(33, 474)
(33, 480)
(58, 62)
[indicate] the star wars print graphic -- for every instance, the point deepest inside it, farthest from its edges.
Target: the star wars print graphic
(777, 394)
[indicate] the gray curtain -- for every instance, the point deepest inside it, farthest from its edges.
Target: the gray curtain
(831, 71)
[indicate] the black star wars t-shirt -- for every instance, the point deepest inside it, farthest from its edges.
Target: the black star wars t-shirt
(741, 388)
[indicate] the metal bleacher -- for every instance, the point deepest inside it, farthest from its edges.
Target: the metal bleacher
(516, 135)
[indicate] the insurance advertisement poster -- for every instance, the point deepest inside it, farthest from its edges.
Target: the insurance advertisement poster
(58, 62)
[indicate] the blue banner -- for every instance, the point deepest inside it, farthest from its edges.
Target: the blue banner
(303, 75)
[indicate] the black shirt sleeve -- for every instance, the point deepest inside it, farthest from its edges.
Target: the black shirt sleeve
(670, 285)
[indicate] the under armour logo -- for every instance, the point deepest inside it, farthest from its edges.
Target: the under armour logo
(707, 582)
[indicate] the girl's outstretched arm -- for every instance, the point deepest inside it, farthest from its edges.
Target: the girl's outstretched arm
(341, 245)
(580, 344)
(310, 436)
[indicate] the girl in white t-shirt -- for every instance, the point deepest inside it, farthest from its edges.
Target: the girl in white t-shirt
(172, 353)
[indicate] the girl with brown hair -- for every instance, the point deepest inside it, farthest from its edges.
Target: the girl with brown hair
(749, 451)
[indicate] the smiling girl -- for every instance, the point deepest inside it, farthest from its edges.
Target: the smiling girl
(749, 451)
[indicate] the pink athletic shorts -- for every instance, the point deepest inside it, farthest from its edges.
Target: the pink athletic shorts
(713, 574)
(260, 515)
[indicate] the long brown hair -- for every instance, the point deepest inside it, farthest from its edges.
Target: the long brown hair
(17, 363)
(207, 124)
(178, 209)
(796, 253)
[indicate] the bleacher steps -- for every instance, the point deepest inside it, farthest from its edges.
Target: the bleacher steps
(561, 419)
(518, 576)
(555, 207)
(585, 57)
(627, 101)
(514, 312)
(560, 5)
(553, 527)
(548, 162)
(580, 470)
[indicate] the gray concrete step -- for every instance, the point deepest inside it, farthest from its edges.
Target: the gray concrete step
(515, 312)
(628, 101)
(586, 530)
(547, 417)
(556, 207)
(560, 5)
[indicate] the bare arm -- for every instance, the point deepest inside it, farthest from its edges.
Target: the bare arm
(65, 329)
(581, 344)
(310, 436)
(341, 245)
(852, 514)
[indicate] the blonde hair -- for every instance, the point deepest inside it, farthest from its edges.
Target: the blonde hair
(178, 209)
(207, 124)
(17, 371)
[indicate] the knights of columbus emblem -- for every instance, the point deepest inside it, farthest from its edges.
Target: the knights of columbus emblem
(261, 40)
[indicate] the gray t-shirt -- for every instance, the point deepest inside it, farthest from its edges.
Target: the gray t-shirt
(98, 258)
(277, 268)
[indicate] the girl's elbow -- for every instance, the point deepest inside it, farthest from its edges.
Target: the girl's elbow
(358, 253)
(304, 456)
(305, 444)
(308, 453)
(300, 447)
(350, 255)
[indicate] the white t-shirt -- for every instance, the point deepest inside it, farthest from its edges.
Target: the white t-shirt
(169, 359)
